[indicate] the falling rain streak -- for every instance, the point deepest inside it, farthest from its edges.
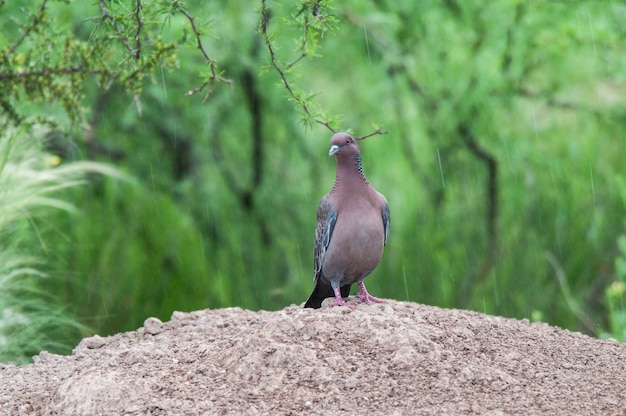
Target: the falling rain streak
(593, 187)
(406, 286)
(163, 83)
(443, 180)
(593, 35)
(367, 45)
(535, 122)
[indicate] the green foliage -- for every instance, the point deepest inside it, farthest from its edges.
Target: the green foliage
(615, 292)
(31, 319)
(505, 122)
(129, 269)
(43, 62)
(615, 296)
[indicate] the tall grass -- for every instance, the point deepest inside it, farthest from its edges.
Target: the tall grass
(615, 292)
(30, 318)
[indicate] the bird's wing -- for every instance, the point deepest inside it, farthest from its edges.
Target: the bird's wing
(326, 219)
(386, 219)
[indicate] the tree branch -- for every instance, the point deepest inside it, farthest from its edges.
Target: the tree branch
(215, 76)
(265, 20)
(106, 15)
(36, 21)
(52, 71)
(492, 209)
(282, 73)
(139, 21)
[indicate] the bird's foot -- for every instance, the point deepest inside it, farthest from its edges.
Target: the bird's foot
(367, 299)
(339, 300)
(364, 297)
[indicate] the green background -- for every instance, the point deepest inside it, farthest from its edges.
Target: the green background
(503, 163)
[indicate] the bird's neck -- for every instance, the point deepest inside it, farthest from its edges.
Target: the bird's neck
(350, 173)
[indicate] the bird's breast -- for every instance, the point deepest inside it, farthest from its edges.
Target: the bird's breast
(356, 246)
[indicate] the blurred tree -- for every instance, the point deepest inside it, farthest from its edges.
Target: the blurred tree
(504, 125)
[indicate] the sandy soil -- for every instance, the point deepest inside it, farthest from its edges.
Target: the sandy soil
(393, 358)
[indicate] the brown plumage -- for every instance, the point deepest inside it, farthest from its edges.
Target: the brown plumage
(352, 229)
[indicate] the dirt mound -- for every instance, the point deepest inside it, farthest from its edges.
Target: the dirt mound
(392, 358)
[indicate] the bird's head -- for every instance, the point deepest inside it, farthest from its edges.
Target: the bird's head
(343, 144)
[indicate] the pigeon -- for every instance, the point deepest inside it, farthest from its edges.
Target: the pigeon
(352, 228)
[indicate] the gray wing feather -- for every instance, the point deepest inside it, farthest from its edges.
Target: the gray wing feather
(326, 219)
(386, 221)
(386, 216)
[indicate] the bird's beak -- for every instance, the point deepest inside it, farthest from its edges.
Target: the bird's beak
(333, 149)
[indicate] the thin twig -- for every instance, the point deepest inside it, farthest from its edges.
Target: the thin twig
(106, 15)
(379, 130)
(212, 63)
(34, 23)
(146, 65)
(51, 71)
(295, 61)
(305, 38)
(282, 73)
(139, 21)
(265, 19)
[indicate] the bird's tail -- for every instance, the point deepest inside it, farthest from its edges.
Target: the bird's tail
(321, 292)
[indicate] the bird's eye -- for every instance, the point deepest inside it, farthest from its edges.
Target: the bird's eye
(348, 141)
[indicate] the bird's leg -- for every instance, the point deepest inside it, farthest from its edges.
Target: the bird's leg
(339, 300)
(365, 297)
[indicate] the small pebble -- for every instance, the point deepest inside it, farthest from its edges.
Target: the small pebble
(153, 326)
(94, 342)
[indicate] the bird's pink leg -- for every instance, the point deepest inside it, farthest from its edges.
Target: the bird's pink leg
(365, 297)
(339, 300)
